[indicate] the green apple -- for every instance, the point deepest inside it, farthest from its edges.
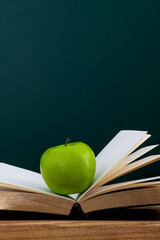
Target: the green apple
(68, 168)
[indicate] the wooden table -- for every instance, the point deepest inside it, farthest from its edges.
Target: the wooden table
(79, 229)
(137, 223)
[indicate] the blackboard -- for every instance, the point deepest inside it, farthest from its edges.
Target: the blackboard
(79, 69)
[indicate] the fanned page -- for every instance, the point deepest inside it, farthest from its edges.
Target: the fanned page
(122, 168)
(145, 182)
(26, 180)
(116, 150)
(131, 167)
(129, 160)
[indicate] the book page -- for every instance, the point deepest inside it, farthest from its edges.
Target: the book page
(131, 167)
(121, 164)
(132, 157)
(117, 149)
(145, 182)
(19, 178)
(126, 198)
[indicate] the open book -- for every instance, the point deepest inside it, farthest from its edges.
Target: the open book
(25, 190)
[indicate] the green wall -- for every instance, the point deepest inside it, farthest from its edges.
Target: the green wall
(80, 69)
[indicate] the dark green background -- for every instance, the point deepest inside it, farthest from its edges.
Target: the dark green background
(80, 69)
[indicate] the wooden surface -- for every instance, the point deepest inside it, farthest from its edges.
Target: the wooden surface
(86, 230)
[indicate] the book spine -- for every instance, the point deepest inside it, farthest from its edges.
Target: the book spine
(76, 212)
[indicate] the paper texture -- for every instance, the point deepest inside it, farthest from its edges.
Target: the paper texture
(24, 178)
(115, 150)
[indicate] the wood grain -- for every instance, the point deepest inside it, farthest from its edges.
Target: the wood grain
(86, 230)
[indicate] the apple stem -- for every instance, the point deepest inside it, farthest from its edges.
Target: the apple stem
(67, 140)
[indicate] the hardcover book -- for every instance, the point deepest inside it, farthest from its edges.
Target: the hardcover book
(25, 190)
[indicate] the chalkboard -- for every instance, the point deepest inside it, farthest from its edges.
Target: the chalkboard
(79, 69)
